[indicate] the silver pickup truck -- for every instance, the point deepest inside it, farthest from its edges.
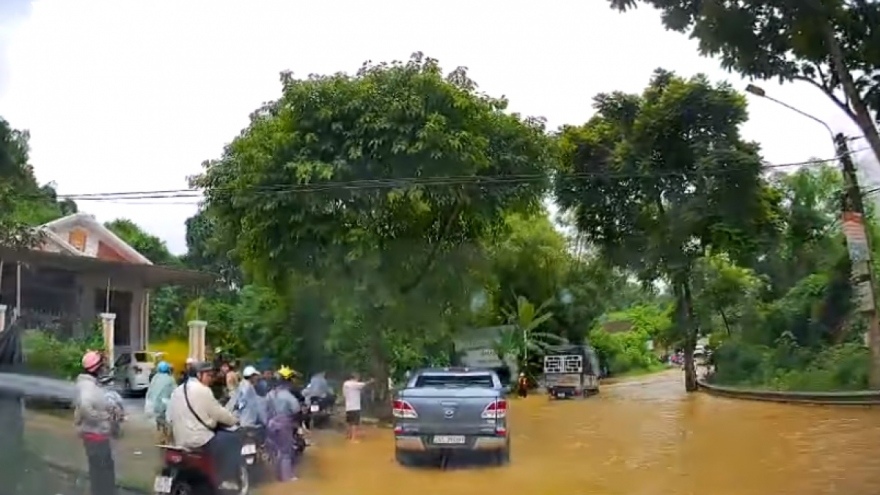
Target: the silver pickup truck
(451, 409)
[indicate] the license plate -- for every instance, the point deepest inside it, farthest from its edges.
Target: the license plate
(560, 395)
(314, 408)
(162, 484)
(449, 439)
(249, 460)
(248, 449)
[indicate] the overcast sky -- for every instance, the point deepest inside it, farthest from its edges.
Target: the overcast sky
(134, 95)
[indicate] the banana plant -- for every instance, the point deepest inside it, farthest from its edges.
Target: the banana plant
(521, 337)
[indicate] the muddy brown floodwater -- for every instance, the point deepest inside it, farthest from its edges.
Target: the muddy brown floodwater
(644, 437)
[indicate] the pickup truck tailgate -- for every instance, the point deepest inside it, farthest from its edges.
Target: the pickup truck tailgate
(447, 410)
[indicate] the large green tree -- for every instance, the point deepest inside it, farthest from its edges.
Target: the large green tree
(833, 45)
(658, 180)
(23, 202)
(381, 186)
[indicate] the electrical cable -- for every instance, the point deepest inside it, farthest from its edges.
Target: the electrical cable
(133, 197)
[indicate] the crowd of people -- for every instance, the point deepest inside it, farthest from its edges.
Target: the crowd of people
(200, 409)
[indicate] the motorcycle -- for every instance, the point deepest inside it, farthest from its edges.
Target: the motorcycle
(255, 454)
(193, 472)
(299, 441)
(319, 411)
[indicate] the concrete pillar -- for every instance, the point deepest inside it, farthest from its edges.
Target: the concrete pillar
(197, 339)
(108, 331)
(2, 317)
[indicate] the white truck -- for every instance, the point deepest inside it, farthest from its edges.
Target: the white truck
(571, 371)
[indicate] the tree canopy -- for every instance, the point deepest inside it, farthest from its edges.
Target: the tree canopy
(659, 180)
(831, 44)
(375, 221)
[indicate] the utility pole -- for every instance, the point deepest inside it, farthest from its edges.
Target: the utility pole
(859, 248)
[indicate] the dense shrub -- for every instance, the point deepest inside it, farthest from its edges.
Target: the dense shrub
(788, 367)
(623, 352)
(48, 355)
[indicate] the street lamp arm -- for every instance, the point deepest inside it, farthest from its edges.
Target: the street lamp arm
(805, 114)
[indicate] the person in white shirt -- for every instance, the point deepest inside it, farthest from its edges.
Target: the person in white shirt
(351, 391)
(197, 422)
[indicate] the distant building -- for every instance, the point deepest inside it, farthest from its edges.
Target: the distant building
(81, 271)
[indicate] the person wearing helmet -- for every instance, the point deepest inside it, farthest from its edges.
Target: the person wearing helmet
(245, 403)
(96, 419)
(158, 395)
(266, 383)
(198, 421)
(284, 411)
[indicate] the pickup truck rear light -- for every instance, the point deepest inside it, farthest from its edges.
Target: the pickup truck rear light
(495, 410)
(403, 409)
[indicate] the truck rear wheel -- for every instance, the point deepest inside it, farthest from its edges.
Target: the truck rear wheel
(502, 457)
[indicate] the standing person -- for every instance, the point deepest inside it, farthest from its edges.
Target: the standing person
(93, 417)
(351, 391)
(522, 386)
(158, 395)
(284, 418)
(187, 372)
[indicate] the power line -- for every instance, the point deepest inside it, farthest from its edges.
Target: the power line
(135, 197)
(414, 181)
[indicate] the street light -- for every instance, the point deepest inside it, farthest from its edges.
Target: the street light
(758, 91)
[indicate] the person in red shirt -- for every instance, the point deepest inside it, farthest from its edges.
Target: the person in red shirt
(97, 418)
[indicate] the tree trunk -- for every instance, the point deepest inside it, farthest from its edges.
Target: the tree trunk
(379, 373)
(862, 116)
(724, 319)
(686, 318)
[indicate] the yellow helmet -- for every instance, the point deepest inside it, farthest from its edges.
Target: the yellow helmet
(285, 372)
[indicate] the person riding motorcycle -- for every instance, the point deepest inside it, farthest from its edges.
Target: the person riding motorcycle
(197, 422)
(246, 403)
(96, 417)
(318, 391)
(266, 383)
(318, 386)
(158, 394)
(284, 418)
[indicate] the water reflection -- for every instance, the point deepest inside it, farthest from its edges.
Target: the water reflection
(645, 437)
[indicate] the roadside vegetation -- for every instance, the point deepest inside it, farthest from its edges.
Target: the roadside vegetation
(366, 221)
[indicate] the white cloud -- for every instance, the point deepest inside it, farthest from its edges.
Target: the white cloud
(132, 96)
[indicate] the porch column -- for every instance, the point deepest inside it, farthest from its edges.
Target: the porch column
(197, 339)
(2, 317)
(108, 327)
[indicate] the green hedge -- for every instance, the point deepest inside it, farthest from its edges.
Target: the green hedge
(48, 355)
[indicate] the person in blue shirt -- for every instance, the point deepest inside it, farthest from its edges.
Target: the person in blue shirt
(284, 418)
(266, 383)
(245, 403)
(158, 395)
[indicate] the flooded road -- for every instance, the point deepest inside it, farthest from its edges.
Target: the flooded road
(644, 437)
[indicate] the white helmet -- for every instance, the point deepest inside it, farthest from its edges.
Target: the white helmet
(249, 371)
